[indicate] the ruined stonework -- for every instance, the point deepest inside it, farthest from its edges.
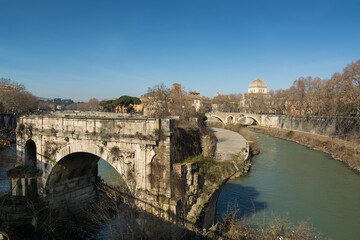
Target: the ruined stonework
(66, 147)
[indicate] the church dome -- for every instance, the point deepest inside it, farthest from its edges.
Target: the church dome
(257, 83)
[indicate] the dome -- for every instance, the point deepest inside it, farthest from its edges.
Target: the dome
(257, 83)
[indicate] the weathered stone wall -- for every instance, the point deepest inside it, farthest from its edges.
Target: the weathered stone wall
(198, 205)
(74, 192)
(347, 128)
(127, 143)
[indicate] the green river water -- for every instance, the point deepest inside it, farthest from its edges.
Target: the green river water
(288, 179)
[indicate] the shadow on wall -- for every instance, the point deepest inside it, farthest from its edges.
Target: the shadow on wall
(235, 197)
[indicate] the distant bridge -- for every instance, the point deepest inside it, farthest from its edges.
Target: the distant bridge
(232, 117)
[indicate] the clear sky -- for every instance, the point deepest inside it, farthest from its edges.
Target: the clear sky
(105, 49)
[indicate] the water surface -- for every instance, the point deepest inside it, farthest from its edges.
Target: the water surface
(291, 179)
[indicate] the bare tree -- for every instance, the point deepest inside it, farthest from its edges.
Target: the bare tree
(228, 103)
(339, 95)
(91, 105)
(15, 98)
(158, 101)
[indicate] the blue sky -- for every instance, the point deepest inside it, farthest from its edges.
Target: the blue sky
(105, 49)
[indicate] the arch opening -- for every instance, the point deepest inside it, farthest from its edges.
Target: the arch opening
(75, 176)
(215, 119)
(229, 119)
(248, 120)
(75, 165)
(30, 153)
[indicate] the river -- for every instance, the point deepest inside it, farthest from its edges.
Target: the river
(288, 179)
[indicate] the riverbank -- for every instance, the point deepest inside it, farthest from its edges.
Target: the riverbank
(290, 180)
(344, 151)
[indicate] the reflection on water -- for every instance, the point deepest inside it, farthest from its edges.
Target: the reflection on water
(288, 178)
(248, 204)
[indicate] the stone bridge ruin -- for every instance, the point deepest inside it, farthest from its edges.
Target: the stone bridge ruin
(66, 149)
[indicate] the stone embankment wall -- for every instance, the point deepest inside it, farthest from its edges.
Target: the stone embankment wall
(202, 192)
(346, 128)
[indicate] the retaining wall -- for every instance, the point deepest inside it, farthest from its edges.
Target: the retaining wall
(347, 128)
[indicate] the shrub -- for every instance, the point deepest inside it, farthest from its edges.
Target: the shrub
(290, 134)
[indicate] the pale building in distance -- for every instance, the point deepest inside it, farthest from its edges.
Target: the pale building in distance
(195, 97)
(257, 86)
(257, 92)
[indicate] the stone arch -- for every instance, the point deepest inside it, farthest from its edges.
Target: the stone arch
(230, 119)
(94, 152)
(219, 118)
(255, 119)
(94, 149)
(30, 153)
(248, 116)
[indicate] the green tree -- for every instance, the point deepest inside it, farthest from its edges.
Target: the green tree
(123, 101)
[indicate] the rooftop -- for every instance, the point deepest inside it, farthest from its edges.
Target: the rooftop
(257, 83)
